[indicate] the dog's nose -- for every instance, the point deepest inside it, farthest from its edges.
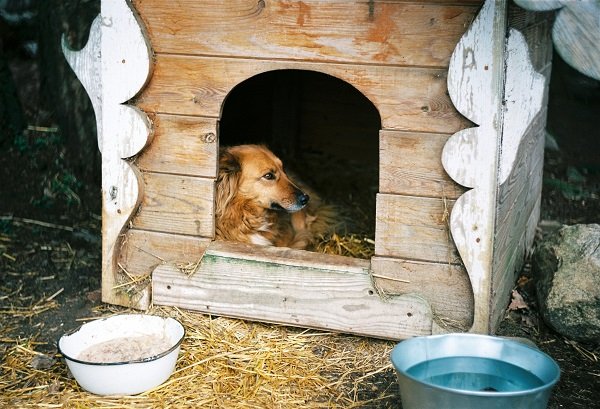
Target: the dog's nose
(303, 198)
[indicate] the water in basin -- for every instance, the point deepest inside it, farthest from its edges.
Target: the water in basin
(475, 374)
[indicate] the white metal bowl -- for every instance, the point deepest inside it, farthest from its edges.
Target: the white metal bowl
(129, 377)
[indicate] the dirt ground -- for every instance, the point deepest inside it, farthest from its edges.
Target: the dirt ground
(50, 240)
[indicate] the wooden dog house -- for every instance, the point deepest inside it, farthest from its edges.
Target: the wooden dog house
(460, 92)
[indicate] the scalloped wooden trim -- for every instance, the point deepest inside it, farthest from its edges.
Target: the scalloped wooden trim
(524, 95)
(475, 85)
(502, 96)
(86, 65)
(114, 66)
(576, 32)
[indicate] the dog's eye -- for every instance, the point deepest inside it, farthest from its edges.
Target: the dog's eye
(269, 176)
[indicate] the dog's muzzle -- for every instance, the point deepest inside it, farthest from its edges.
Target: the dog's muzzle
(302, 200)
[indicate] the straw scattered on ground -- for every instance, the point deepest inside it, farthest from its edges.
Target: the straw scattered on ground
(224, 363)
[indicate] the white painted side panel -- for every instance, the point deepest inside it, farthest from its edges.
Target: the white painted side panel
(114, 66)
(523, 98)
(475, 83)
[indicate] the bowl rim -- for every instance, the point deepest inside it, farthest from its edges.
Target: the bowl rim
(456, 391)
(132, 361)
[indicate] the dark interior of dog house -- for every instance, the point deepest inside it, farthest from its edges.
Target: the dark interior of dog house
(324, 130)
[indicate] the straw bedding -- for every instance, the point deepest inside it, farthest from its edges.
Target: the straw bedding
(223, 363)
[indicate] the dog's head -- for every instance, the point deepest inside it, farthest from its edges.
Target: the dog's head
(255, 173)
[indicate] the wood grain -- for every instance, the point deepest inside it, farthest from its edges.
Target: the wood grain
(113, 67)
(177, 204)
(535, 26)
(407, 98)
(181, 145)
(576, 35)
(378, 32)
(523, 98)
(142, 251)
(445, 286)
(476, 86)
(518, 209)
(519, 190)
(525, 179)
(291, 288)
(139, 253)
(410, 164)
(414, 228)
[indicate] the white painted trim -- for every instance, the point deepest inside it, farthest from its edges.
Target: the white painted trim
(475, 84)
(113, 67)
(523, 97)
(576, 31)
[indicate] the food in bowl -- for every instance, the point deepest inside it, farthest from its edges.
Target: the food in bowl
(124, 354)
(126, 349)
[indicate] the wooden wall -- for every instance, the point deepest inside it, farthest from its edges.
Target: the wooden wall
(395, 53)
(519, 197)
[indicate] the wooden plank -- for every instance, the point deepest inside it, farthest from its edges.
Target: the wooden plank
(87, 65)
(291, 287)
(575, 32)
(407, 98)
(414, 228)
(519, 191)
(141, 251)
(535, 26)
(177, 204)
(342, 31)
(514, 224)
(525, 178)
(524, 95)
(518, 213)
(507, 266)
(520, 18)
(521, 164)
(540, 5)
(510, 265)
(181, 145)
(540, 46)
(517, 199)
(114, 66)
(411, 164)
(445, 286)
(521, 169)
(476, 86)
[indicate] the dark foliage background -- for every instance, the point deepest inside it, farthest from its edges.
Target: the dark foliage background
(42, 102)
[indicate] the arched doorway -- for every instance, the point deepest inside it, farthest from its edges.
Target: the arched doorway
(323, 128)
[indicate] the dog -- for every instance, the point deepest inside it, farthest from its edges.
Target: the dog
(257, 202)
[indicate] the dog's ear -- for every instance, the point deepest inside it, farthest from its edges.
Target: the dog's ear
(227, 179)
(228, 162)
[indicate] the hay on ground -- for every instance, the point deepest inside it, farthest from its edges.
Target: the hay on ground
(223, 363)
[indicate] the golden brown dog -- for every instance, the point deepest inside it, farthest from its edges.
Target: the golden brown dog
(257, 202)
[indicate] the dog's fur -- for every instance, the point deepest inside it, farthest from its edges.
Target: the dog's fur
(257, 202)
